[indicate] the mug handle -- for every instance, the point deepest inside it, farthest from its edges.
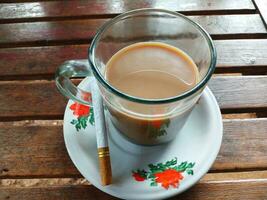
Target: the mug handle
(74, 68)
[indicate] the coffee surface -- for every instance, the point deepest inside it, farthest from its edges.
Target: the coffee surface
(151, 70)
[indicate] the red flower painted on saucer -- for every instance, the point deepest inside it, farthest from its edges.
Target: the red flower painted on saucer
(80, 109)
(166, 174)
(84, 114)
(169, 177)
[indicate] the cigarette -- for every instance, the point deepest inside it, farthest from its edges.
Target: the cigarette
(101, 136)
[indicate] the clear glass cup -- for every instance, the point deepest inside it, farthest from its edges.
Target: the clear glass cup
(161, 119)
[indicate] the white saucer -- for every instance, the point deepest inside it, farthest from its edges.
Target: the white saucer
(197, 143)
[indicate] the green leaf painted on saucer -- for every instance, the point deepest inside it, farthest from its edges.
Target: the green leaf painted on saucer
(166, 174)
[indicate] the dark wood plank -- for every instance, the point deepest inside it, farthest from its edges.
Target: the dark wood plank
(231, 25)
(30, 98)
(36, 149)
(104, 8)
(74, 31)
(233, 56)
(244, 145)
(48, 193)
(251, 184)
(262, 7)
(232, 92)
(45, 32)
(40, 60)
(227, 189)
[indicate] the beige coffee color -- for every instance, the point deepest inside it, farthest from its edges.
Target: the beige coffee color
(149, 70)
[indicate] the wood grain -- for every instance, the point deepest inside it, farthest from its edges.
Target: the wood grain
(34, 149)
(42, 182)
(43, 33)
(227, 186)
(81, 31)
(241, 53)
(262, 7)
(244, 142)
(103, 8)
(57, 182)
(239, 115)
(41, 98)
(30, 98)
(249, 190)
(232, 56)
(40, 60)
(240, 92)
(231, 24)
(48, 193)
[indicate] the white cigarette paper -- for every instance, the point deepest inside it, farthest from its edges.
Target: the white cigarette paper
(100, 126)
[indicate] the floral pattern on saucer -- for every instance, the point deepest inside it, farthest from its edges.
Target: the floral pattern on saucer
(167, 174)
(83, 114)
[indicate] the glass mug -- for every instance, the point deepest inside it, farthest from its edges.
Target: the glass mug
(157, 120)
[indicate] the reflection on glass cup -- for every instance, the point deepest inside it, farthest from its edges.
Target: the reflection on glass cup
(158, 120)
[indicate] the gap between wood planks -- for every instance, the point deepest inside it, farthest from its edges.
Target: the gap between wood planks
(228, 115)
(235, 71)
(51, 77)
(230, 36)
(227, 177)
(232, 114)
(218, 72)
(109, 16)
(57, 122)
(36, 122)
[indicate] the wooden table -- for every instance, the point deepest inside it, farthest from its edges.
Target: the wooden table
(35, 37)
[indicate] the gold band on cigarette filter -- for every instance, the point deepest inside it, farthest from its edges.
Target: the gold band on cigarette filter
(104, 165)
(103, 152)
